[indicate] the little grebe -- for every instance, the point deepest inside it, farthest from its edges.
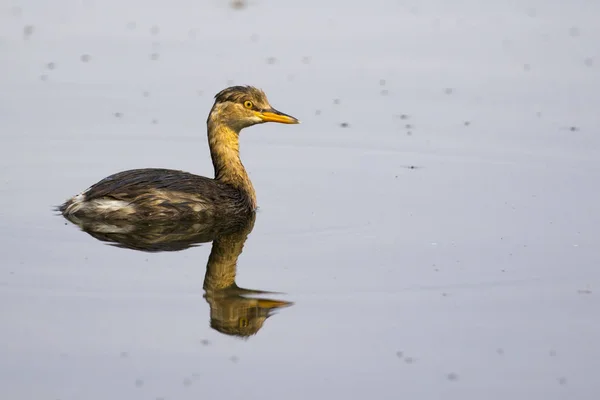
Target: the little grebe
(155, 194)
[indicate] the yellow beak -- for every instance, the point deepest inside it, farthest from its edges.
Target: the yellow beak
(268, 303)
(273, 115)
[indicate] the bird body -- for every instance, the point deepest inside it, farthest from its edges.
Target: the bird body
(160, 194)
(154, 193)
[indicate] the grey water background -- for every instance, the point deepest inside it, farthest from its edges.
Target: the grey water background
(435, 217)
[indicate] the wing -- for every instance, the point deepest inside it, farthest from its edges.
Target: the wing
(129, 185)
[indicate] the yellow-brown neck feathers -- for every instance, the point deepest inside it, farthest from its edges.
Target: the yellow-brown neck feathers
(224, 146)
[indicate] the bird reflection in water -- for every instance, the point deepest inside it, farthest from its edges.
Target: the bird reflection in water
(233, 310)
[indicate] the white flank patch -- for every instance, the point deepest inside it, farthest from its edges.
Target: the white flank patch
(98, 206)
(109, 205)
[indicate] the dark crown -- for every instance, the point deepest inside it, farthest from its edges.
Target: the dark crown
(239, 94)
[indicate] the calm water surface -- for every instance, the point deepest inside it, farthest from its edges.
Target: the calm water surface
(431, 228)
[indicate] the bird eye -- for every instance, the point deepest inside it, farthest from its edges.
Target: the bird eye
(248, 104)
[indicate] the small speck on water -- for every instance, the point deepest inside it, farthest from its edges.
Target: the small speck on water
(344, 125)
(500, 351)
(399, 354)
(452, 376)
(589, 62)
(155, 30)
(85, 58)
(408, 126)
(154, 122)
(205, 342)
(526, 67)
(28, 31)
(382, 82)
(146, 93)
(467, 123)
(50, 65)
(562, 380)
(507, 43)
(584, 291)
(409, 360)
(306, 60)
(118, 114)
(574, 31)
(385, 92)
(317, 112)
(238, 4)
(409, 133)
(199, 92)
(403, 116)
(234, 359)
(254, 37)
(139, 383)
(154, 56)
(271, 60)
(124, 354)
(131, 25)
(552, 353)
(448, 91)
(44, 77)
(573, 129)
(336, 101)
(187, 382)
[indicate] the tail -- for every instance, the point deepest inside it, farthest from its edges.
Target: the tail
(71, 206)
(62, 208)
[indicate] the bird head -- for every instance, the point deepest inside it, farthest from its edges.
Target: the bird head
(243, 106)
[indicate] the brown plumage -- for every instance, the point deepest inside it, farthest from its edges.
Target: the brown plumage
(159, 194)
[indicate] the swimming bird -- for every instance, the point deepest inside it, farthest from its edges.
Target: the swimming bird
(159, 194)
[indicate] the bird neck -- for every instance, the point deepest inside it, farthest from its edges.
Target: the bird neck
(225, 153)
